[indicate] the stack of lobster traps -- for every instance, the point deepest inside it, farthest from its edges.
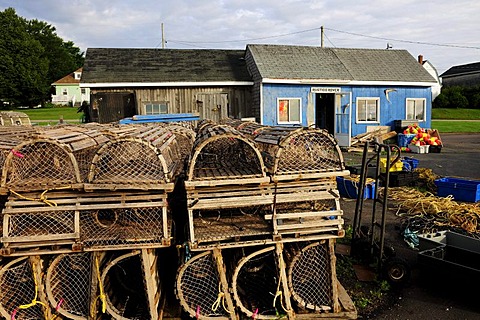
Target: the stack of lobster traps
(263, 215)
(85, 219)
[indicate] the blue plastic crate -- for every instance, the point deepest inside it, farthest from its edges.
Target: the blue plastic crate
(409, 163)
(460, 189)
(404, 139)
(349, 188)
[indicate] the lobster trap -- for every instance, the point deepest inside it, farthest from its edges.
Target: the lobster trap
(50, 158)
(66, 221)
(148, 158)
(292, 152)
(296, 280)
(202, 287)
(70, 283)
(226, 184)
(257, 285)
(222, 153)
(131, 285)
(312, 278)
(21, 292)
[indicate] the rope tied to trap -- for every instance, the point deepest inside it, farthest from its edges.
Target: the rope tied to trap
(43, 197)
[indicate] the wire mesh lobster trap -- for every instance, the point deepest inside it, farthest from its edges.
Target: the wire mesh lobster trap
(257, 284)
(202, 287)
(51, 157)
(32, 219)
(299, 151)
(221, 152)
(68, 285)
(312, 278)
(148, 158)
(306, 209)
(124, 220)
(21, 292)
(131, 285)
(68, 220)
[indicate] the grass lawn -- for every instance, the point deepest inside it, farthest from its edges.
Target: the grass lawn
(51, 116)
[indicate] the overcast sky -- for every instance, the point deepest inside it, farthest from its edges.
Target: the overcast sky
(445, 32)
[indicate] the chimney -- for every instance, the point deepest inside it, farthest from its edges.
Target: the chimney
(420, 59)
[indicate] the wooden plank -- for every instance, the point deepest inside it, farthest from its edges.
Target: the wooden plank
(302, 176)
(310, 224)
(309, 214)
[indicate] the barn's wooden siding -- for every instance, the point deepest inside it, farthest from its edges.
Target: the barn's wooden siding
(236, 100)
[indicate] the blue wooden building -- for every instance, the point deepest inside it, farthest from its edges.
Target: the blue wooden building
(342, 90)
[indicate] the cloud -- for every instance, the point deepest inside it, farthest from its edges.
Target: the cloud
(406, 24)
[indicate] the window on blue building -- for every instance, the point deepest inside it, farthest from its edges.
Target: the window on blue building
(368, 109)
(416, 109)
(288, 110)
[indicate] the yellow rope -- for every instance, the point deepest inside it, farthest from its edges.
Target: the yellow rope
(43, 198)
(102, 295)
(34, 301)
(279, 294)
(220, 301)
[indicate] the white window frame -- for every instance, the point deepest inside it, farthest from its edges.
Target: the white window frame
(155, 103)
(377, 101)
(289, 114)
(413, 116)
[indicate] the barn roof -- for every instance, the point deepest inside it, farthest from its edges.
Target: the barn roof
(462, 70)
(142, 66)
(344, 64)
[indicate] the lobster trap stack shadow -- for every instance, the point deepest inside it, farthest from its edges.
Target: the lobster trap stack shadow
(85, 219)
(262, 215)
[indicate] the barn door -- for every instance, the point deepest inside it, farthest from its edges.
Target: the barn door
(111, 106)
(213, 106)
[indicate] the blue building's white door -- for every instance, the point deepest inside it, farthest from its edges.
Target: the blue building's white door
(343, 119)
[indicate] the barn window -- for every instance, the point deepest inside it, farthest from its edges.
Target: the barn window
(368, 109)
(416, 109)
(156, 108)
(289, 110)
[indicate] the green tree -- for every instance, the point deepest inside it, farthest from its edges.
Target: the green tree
(32, 57)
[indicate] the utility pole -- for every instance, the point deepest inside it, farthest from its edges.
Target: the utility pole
(163, 37)
(321, 36)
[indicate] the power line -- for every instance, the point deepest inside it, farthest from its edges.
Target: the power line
(334, 30)
(406, 41)
(246, 40)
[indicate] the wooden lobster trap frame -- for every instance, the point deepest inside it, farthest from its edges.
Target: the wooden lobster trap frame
(148, 158)
(51, 157)
(225, 171)
(22, 294)
(300, 153)
(70, 284)
(297, 280)
(306, 209)
(66, 221)
(202, 287)
(132, 285)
